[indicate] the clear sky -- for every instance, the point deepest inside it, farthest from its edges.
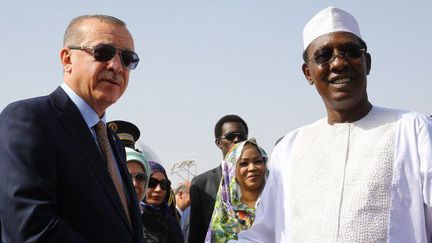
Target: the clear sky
(203, 59)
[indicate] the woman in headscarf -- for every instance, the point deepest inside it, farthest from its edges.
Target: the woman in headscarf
(139, 169)
(159, 224)
(243, 178)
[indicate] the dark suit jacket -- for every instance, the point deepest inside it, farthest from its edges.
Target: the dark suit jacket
(203, 192)
(55, 186)
(184, 223)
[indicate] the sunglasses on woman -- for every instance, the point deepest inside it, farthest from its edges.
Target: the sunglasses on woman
(105, 53)
(164, 184)
(140, 178)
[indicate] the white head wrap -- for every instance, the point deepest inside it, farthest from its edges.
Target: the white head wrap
(329, 20)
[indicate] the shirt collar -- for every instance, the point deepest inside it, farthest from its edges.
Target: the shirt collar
(89, 115)
(179, 210)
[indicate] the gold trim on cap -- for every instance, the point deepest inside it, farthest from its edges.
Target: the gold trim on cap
(113, 127)
(126, 136)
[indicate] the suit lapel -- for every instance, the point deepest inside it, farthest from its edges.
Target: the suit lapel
(129, 190)
(73, 122)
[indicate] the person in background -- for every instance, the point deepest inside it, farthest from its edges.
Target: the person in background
(126, 131)
(159, 224)
(244, 174)
(182, 195)
(63, 173)
(139, 169)
(129, 135)
(228, 131)
(183, 206)
(361, 174)
(184, 223)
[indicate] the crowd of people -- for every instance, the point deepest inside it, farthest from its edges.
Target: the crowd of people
(244, 172)
(361, 174)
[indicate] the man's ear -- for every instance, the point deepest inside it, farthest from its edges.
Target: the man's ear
(65, 58)
(217, 142)
(306, 73)
(368, 63)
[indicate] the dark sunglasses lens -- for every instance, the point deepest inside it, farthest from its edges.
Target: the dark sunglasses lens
(130, 59)
(229, 136)
(232, 135)
(323, 56)
(242, 136)
(104, 53)
(153, 182)
(353, 53)
(141, 177)
(164, 184)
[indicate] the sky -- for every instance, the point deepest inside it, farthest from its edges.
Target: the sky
(203, 59)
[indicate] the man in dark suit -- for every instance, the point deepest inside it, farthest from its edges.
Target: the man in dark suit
(182, 199)
(63, 180)
(228, 130)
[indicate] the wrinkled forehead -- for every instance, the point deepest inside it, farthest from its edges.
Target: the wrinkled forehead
(95, 31)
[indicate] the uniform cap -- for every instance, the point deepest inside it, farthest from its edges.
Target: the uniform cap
(126, 131)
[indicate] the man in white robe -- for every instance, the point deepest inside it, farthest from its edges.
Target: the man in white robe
(363, 173)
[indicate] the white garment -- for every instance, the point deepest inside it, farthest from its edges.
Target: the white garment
(407, 215)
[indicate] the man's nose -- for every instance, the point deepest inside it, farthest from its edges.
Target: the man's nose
(338, 61)
(237, 139)
(116, 64)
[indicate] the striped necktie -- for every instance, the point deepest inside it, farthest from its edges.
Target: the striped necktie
(102, 137)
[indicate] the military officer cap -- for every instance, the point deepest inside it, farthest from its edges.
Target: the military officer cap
(126, 131)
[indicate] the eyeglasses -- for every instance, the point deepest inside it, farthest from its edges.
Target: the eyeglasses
(164, 184)
(105, 53)
(326, 55)
(139, 177)
(232, 135)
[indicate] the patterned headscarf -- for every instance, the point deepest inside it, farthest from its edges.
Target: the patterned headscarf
(230, 215)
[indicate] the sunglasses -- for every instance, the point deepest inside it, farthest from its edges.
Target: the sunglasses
(105, 53)
(164, 184)
(327, 55)
(139, 177)
(232, 135)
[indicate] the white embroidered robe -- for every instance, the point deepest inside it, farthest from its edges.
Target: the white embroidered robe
(367, 181)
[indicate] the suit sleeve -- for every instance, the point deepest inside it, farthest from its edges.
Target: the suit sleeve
(185, 219)
(28, 163)
(196, 218)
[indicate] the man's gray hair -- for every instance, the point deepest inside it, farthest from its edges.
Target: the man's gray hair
(184, 187)
(73, 35)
